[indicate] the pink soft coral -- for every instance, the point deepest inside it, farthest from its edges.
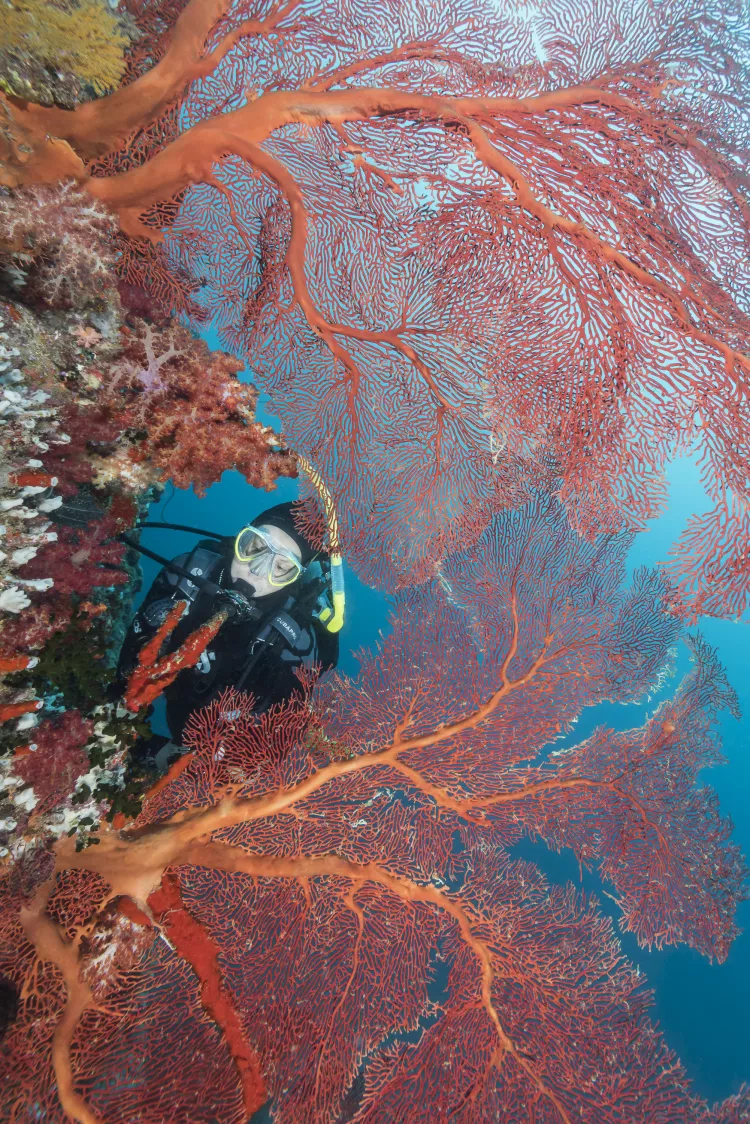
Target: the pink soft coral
(57, 242)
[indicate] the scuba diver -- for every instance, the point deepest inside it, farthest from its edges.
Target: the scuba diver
(285, 602)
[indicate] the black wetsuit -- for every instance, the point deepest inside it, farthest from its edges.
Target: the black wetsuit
(238, 656)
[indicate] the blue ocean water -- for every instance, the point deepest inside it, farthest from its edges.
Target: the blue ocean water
(701, 1007)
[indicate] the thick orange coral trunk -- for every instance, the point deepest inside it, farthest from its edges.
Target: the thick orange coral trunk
(44, 145)
(195, 946)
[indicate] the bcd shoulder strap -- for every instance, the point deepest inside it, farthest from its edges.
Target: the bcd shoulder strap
(202, 563)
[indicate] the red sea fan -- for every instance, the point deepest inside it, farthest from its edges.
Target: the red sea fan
(710, 561)
(338, 922)
(442, 265)
(629, 802)
(461, 250)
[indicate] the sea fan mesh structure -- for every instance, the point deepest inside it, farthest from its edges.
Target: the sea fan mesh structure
(473, 240)
(322, 907)
(461, 246)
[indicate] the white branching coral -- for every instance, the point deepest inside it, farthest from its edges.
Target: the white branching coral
(13, 600)
(27, 419)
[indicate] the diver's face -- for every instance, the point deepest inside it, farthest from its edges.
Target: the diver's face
(259, 582)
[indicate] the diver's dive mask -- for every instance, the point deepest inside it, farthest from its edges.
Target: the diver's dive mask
(263, 558)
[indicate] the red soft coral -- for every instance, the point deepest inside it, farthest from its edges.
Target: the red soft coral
(166, 407)
(82, 559)
(30, 631)
(196, 416)
(59, 760)
(94, 432)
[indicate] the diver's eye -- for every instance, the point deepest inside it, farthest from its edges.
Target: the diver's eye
(283, 570)
(249, 543)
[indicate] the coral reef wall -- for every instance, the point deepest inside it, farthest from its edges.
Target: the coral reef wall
(100, 402)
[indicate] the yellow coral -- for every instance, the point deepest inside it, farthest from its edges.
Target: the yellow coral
(84, 39)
